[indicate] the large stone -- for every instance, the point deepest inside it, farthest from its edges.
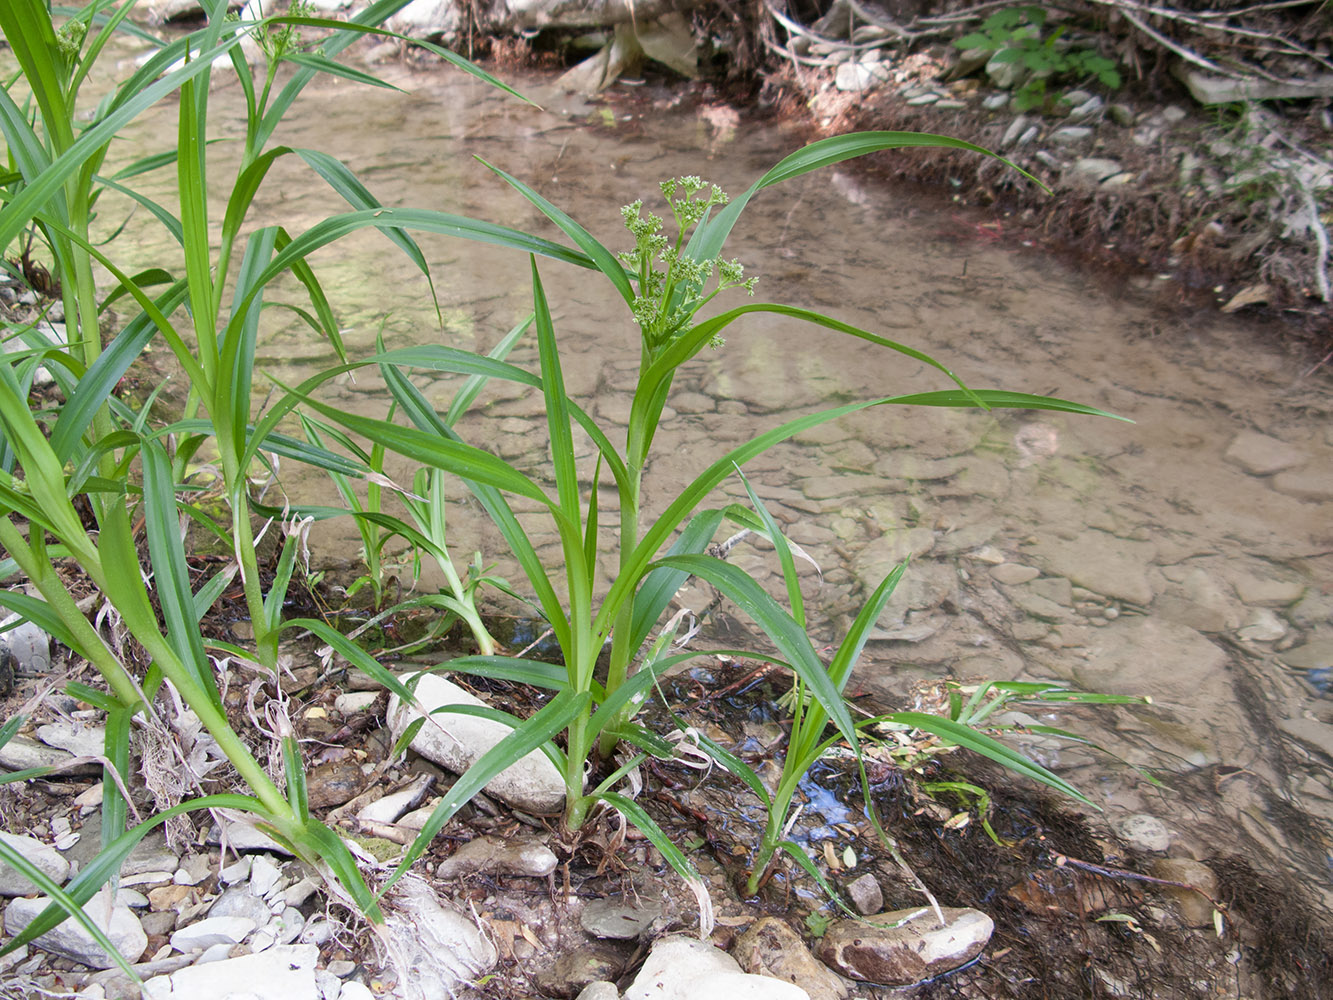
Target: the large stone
(1261, 455)
(1144, 656)
(1103, 563)
(457, 741)
(685, 968)
(70, 939)
(283, 972)
(1314, 484)
(23, 752)
(45, 858)
(769, 947)
(905, 946)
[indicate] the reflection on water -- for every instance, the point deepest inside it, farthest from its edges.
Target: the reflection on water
(1186, 556)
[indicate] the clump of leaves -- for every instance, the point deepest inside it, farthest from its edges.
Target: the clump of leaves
(1015, 36)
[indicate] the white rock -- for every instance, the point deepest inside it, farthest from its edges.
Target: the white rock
(43, 857)
(281, 973)
(355, 701)
(28, 644)
(685, 968)
(81, 741)
(457, 741)
(288, 925)
(215, 953)
(210, 931)
(264, 875)
(390, 807)
(118, 922)
(23, 752)
(330, 986)
(356, 991)
(435, 947)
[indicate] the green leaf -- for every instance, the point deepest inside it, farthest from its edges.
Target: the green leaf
(780, 628)
(540, 728)
(603, 258)
(977, 742)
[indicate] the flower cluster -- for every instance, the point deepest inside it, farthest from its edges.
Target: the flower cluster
(673, 285)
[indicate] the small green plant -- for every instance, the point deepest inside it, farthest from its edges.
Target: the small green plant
(820, 719)
(664, 282)
(1015, 36)
(77, 481)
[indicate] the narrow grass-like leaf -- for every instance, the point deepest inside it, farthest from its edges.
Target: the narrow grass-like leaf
(66, 904)
(785, 560)
(645, 824)
(41, 614)
(798, 854)
(294, 772)
(312, 60)
(971, 739)
(170, 572)
(603, 258)
(780, 628)
(823, 153)
(540, 728)
(353, 654)
(408, 735)
(510, 668)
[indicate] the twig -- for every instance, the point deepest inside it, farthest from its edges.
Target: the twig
(1062, 860)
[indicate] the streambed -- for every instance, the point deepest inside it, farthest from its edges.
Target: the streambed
(1188, 556)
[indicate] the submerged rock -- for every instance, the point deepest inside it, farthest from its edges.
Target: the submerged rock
(905, 946)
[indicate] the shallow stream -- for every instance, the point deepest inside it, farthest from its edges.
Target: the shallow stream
(1187, 556)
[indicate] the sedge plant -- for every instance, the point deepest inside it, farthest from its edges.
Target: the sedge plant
(673, 270)
(95, 480)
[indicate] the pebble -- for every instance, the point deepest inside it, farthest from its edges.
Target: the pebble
(1071, 134)
(614, 917)
(507, 856)
(390, 807)
(212, 931)
(81, 741)
(1012, 574)
(866, 895)
(1195, 909)
(355, 701)
(1313, 484)
(591, 962)
(1144, 832)
(23, 752)
(264, 875)
(1261, 455)
(1262, 625)
(903, 947)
